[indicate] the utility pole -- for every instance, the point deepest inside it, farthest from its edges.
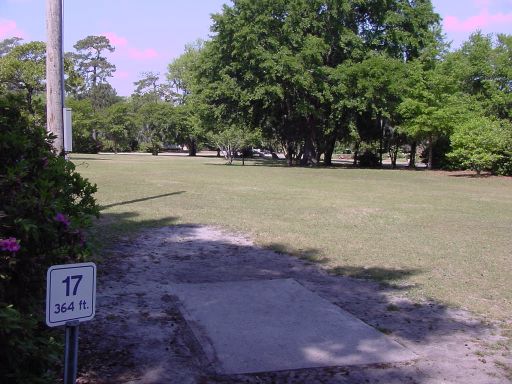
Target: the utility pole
(54, 74)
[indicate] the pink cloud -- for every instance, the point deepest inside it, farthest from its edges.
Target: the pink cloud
(480, 21)
(8, 28)
(122, 74)
(115, 40)
(145, 54)
(123, 48)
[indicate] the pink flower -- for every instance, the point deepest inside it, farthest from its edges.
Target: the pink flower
(62, 218)
(10, 244)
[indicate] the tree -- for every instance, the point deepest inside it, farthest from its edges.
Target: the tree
(119, 125)
(91, 63)
(7, 45)
(23, 69)
(85, 123)
(371, 90)
(482, 67)
(103, 96)
(185, 94)
(158, 125)
(181, 72)
(431, 107)
(147, 87)
(270, 64)
(231, 140)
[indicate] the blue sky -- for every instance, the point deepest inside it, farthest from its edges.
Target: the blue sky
(150, 34)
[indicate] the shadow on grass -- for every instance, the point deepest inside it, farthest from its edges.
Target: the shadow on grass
(271, 163)
(472, 175)
(141, 200)
(111, 227)
(386, 276)
(78, 158)
(159, 246)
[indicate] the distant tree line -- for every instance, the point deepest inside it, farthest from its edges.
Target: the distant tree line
(305, 77)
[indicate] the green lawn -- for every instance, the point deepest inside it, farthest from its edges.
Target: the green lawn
(447, 238)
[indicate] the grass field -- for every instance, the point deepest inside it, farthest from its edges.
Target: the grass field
(444, 237)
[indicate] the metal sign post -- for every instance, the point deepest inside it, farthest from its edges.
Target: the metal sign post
(70, 300)
(71, 352)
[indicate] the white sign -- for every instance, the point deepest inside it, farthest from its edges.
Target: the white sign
(68, 130)
(70, 293)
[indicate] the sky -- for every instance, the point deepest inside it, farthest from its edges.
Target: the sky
(149, 34)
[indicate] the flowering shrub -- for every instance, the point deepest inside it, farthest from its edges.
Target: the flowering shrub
(9, 245)
(44, 207)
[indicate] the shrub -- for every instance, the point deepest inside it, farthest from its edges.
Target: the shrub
(483, 144)
(44, 207)
(368, 159)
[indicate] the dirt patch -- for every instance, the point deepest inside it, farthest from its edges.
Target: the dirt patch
(139, 335)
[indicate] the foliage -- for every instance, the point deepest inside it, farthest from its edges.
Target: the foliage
(8, 44)
(231, 140)
(118, 127)
(273, 66)
(149, 89)
(368, 159)
(29, 350)
(185, 89)
(158, 126)
(431, 107)
(483, 144)
(181, 73)
(102, 96)
(23, 69)
(91, 63)
(44, 207)
(85, 124)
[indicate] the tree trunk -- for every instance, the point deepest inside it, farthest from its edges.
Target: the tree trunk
(381, 142)
(192, 148)
(309, 156)
(430, 152)
(318, 157)
(289, 160)
(329, 150)
(412, 160)
(230, 154)
(393, 155)
(29, 102)
(356, 152)
(289, 154)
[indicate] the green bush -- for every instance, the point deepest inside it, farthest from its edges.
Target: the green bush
(368, 159)
(44, 207)
(483, 144)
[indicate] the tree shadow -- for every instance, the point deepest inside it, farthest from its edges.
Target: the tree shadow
(140, 316)
(385, 276)
(140, 200)
(110, 228)
(467, 175)
(336, 165)
(78, 158)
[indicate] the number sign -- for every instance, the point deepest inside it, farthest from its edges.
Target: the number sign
(70, 293)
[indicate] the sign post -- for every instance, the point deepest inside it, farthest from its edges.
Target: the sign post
(70, 300)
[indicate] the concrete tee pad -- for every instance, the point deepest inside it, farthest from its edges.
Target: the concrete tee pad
(273, 325)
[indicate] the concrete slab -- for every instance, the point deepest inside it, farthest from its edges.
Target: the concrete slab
(274, 325)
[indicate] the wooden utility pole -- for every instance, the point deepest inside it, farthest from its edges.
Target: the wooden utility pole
(54, 74)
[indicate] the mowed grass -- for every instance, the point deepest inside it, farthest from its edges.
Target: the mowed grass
(442, 237)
